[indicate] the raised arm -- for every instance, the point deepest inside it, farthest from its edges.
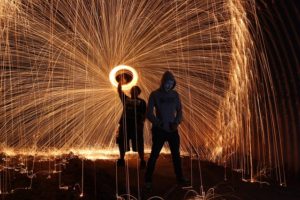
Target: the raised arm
(122, 95)
(120, 92)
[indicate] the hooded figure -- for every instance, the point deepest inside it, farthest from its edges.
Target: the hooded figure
(167, 105)
(165, 120)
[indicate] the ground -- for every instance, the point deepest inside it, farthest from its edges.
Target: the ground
(100, 179)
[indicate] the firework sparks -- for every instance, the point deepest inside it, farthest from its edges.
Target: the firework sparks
(55, 77)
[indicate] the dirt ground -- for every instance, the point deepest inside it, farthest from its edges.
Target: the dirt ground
(100, 178)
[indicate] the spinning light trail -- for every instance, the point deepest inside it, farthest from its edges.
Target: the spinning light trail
(123, 68)
(56, 94)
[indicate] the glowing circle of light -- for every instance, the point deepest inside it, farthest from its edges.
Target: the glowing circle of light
(113, 72)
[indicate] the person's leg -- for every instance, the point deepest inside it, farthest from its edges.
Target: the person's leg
(122, 145)
(158, 140)
(122, 152)
(140, 147)
(174, 143)
(140, 142)
(128, 137)
(141, 154)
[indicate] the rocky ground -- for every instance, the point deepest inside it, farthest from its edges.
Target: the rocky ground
(100, 177)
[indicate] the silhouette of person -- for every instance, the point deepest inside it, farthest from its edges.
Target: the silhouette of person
(165, 121)
(131, 123)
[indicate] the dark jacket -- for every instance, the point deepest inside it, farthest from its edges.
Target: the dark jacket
(167, 106)
(134, 112)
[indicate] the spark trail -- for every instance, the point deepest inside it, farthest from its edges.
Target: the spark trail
(56, 57)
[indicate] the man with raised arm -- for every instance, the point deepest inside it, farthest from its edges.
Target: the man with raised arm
(131, 123)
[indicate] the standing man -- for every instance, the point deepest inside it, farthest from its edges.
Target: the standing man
(131, 123)
(165, 121)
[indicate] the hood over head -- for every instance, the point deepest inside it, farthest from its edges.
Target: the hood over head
(167, 76)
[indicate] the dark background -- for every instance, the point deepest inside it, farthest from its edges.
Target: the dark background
(280, 25)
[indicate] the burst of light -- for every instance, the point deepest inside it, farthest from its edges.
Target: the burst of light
(54, 95)
(112, 76)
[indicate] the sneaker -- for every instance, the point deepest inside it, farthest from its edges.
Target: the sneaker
(120, 162)
(183, 181)
(142, 164)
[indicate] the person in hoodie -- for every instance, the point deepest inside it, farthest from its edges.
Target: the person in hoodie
(166, 103)
(131, 123)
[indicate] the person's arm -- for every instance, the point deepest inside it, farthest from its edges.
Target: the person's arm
(150, 109)
(120, 92)
(122, 95)
(178, 117)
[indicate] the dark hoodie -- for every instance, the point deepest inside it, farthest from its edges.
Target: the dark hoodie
(167, 105)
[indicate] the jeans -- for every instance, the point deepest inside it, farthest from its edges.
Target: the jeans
(159, 137)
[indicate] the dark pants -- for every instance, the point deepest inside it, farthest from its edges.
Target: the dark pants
(135, 136)
(159, 137)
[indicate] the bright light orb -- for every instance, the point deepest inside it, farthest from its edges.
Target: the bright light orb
(115, 70)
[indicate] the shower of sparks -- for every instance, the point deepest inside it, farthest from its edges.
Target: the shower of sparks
(56, 57)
